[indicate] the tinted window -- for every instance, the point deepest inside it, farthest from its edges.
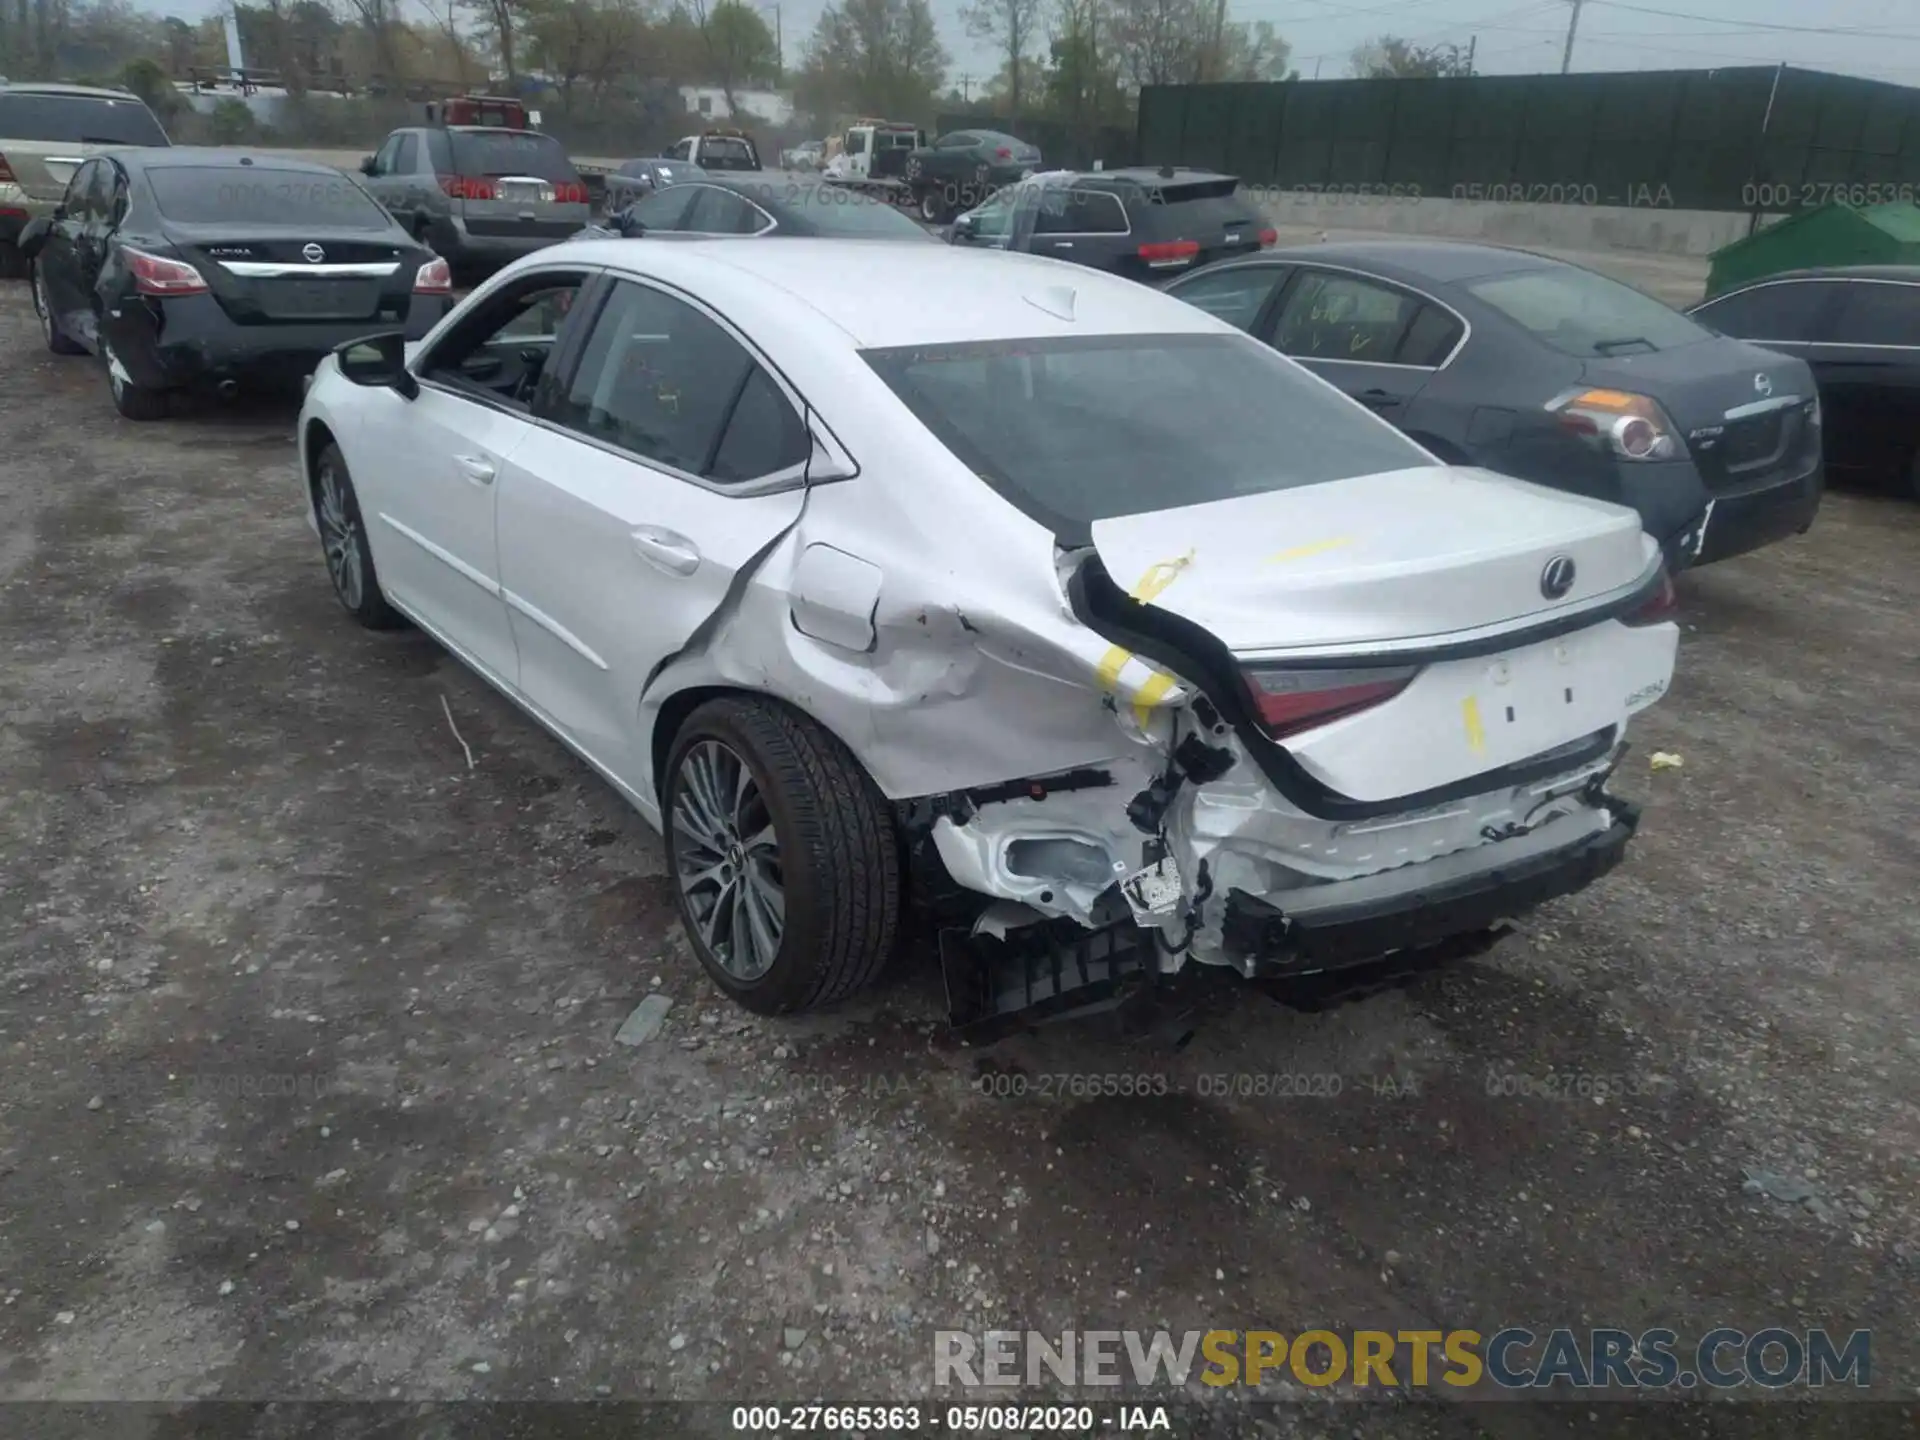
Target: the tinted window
(408, 159)
(994, 219)
(78, 119)
(440, 151)
(511, 152)
(1080, 212)
(726, 154)
(763, 433)
(1431, 338)
(656, 378)
(383, 161)
(1879, 315)
(1235, 295)
(501, 350)
(666, 209)
(1342, 317)
(1789, 311)
(837, 211)
(258, 195)
(1080, 428)
(721, 212)
(958, 140)
(1580, 313)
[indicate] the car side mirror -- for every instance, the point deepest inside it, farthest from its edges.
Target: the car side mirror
(378, 362)
(33, 235)
(962, 228)
(366, 165)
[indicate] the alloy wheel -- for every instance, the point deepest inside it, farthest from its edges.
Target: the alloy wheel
(727, 860)
(340, 536)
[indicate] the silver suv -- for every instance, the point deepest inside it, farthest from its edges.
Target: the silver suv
(49, 131)
(479, 195)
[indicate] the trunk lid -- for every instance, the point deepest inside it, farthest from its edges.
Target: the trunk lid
(516, 184)
(1207, 211)
(1351, 564)
(275, 280)
(1740, 409)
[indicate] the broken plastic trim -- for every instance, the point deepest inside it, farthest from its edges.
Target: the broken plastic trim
(1179, 645)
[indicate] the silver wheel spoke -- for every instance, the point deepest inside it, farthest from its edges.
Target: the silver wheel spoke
(771, 899)
(727, 860)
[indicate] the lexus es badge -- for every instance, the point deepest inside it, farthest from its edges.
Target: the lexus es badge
(313, 254)
(1762, 385)
(1557, 579)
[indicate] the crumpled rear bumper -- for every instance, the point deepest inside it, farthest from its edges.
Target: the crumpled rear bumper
(1312, 938)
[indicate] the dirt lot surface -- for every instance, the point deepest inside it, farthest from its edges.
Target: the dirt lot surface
(311, 1091)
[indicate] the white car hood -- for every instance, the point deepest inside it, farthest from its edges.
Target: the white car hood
(1393, 556)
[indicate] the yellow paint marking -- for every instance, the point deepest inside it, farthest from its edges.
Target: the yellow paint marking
(1318, 547)
(1476, 733)
(1159, 576)
(1150, 695)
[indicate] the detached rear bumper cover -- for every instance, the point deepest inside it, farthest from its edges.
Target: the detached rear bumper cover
(1279, 941)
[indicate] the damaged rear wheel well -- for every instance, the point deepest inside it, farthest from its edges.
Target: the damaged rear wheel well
(676, 708)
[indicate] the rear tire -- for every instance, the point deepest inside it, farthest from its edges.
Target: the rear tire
(13, 265)
(57, 339)
(343, 540)
(134, 402)
(934, 209)
(783, 856)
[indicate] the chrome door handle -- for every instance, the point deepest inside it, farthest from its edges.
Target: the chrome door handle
(476, 468)
(672, 552)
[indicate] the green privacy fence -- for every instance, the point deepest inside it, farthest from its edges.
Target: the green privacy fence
(1747, 138)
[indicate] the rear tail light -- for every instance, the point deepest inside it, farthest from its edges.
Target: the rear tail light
(1269, 239)
(1660, 606)
(570, 192)
(433, 278)
(466, 187)
(1290, 701)
(1003, 153)
(1166, 254)
(6, 172)
(154, 275)
(1632, 427)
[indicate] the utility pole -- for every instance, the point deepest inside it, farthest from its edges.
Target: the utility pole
(1573, 26)
(1219, 40)
(1473, 44)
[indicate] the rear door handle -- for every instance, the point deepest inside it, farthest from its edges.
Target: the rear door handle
(476, 468)
(1377, 398)
(670, 551)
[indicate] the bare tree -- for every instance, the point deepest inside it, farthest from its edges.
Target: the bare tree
(736, 42)
(442, 13)
(1013, 26)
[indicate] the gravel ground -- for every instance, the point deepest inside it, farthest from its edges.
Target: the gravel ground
(310, 1086)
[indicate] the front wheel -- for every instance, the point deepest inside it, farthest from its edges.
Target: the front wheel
(783, 856)
(343, 539)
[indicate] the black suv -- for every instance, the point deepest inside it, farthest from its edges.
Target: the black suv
(1144, 224)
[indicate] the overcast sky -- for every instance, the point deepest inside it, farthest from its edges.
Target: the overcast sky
(1878, 38)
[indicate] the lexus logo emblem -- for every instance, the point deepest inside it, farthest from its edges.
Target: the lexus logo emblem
(1557, 579)
(313, 254)
(1762, 385)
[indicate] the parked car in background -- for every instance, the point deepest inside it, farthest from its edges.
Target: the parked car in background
(873, 152)
(722, 518)
(188, 268)
(717, 150)
(47, 132)
(807, 155)
(1146, 225)
(746, 205)
(479, 195)
(963, 168)
(1549, 372)
(1858, 327)
(637, 179)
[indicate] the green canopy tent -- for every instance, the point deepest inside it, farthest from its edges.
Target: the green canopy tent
(1829, 235)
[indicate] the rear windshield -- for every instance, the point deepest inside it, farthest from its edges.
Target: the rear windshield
(1078, 429)
(493, 153)
(78, 120)
(725, 154)
(1192, 207)
(1580, 313)
(250, 195)
(835, 210)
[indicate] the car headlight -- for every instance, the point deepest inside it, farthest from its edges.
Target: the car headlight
(1632, 427)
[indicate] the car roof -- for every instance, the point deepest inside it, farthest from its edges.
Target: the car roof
(55, 87)
(150, 157)
(1151, 175)
(1431, 261)
(908, 294)
(1908, 273)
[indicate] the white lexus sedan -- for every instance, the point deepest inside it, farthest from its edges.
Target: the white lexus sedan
(1023, 595)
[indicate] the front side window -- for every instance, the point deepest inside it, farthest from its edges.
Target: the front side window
(1789, 310)
(386, 161)
(408, 159)
(1234, 295)
(501, 351)
(1083, 428)
(994, 220)
(1342, 317)
(657, 378)
(1580, 313)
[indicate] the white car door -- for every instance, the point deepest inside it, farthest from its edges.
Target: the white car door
(668, 460)
(430, 467)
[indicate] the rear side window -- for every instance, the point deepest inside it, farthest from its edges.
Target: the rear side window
(1073, 211)
(78, 119)
(666, 209)
(1431, 338)
(1078, 429)
(1235, 295)
(1791, 310)
(490, 154)
(1879, 314)
(763, 434)
(1580, 313)
(257, 195)
(721, 212)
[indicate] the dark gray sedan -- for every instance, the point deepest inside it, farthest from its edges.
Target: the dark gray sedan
(1543, 370)
(637, 179)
